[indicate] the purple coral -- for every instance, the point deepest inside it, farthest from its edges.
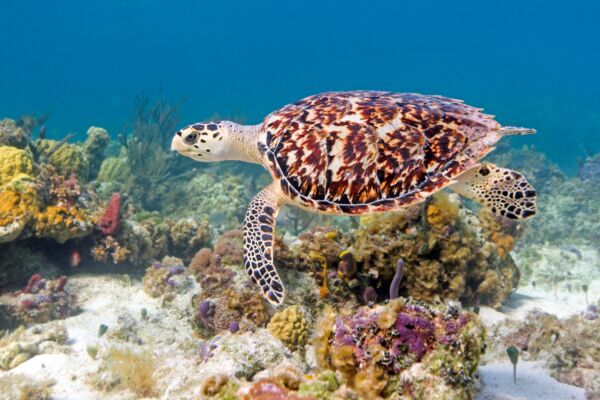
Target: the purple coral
(414, 331)
(591, 312)
(234, 327)
(395, 285)
(369, 295)
(205, 312)
(177, 269)
(206, 350)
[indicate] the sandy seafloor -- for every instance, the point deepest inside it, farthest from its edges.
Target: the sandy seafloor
(106, 297)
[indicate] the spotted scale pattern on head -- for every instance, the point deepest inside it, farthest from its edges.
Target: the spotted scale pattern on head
(504, 192)
(363, 151)
(259, 231)
(199, 141)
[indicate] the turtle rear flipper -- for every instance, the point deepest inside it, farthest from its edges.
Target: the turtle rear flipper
(259, 231)
(503, 191)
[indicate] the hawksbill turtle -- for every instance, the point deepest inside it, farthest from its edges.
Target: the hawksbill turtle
(359, 152)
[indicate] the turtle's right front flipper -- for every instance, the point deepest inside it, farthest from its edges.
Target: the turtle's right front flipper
(259, 231)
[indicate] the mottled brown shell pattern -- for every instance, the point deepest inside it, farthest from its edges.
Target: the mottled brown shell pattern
(367, 151)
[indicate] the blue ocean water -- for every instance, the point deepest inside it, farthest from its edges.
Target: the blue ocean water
(533, 63)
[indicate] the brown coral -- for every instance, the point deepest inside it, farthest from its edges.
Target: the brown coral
(230, 246)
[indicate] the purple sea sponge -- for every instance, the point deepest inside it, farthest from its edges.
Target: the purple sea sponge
(177, 269)
(206, 350)
(369, 295)
(395, 285)
(172, 283)
(234, 327)
(591, 312)
(415, 332)
(205, 312)
(157, 264)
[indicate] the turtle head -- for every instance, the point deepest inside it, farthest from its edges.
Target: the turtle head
(204, 141)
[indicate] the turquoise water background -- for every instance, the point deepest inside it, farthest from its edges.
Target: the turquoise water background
(533, 63)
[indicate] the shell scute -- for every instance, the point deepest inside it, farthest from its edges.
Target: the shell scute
(352, 152)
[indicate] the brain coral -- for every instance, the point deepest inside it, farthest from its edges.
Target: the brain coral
(290, 326)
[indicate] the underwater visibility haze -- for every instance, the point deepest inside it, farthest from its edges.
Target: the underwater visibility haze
(286, 200)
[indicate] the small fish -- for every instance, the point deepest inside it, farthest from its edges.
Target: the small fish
(75, 259)
(573, 249)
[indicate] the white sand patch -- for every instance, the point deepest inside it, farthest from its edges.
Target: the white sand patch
(103, 299)
(563, 304)
(533, 383)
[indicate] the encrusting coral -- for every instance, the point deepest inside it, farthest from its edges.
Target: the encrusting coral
(40, 199)
(448, 252)
(223, 301)
(166, 278)
(40, 301)
(409, 348)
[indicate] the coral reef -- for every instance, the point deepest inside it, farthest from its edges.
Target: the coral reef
(244, 354)
(564, 268)
(408, 348)
(20, 260)
(448, 251)
(188, 235)
(15, 165)
(166, 278)
(40, 301)
(46, 205)
(222, 198)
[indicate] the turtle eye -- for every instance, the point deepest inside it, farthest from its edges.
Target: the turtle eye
(191, 138)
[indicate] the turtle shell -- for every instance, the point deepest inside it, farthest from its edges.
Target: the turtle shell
(361, 151)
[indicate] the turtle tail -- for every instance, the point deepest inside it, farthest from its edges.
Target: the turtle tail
(515, 130)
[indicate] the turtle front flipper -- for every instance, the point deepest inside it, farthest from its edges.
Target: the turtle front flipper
(503, 191)
(259, 230)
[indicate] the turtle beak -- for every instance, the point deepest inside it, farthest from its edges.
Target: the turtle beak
(177, 143)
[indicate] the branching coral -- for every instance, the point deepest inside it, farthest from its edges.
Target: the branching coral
(148, 158)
